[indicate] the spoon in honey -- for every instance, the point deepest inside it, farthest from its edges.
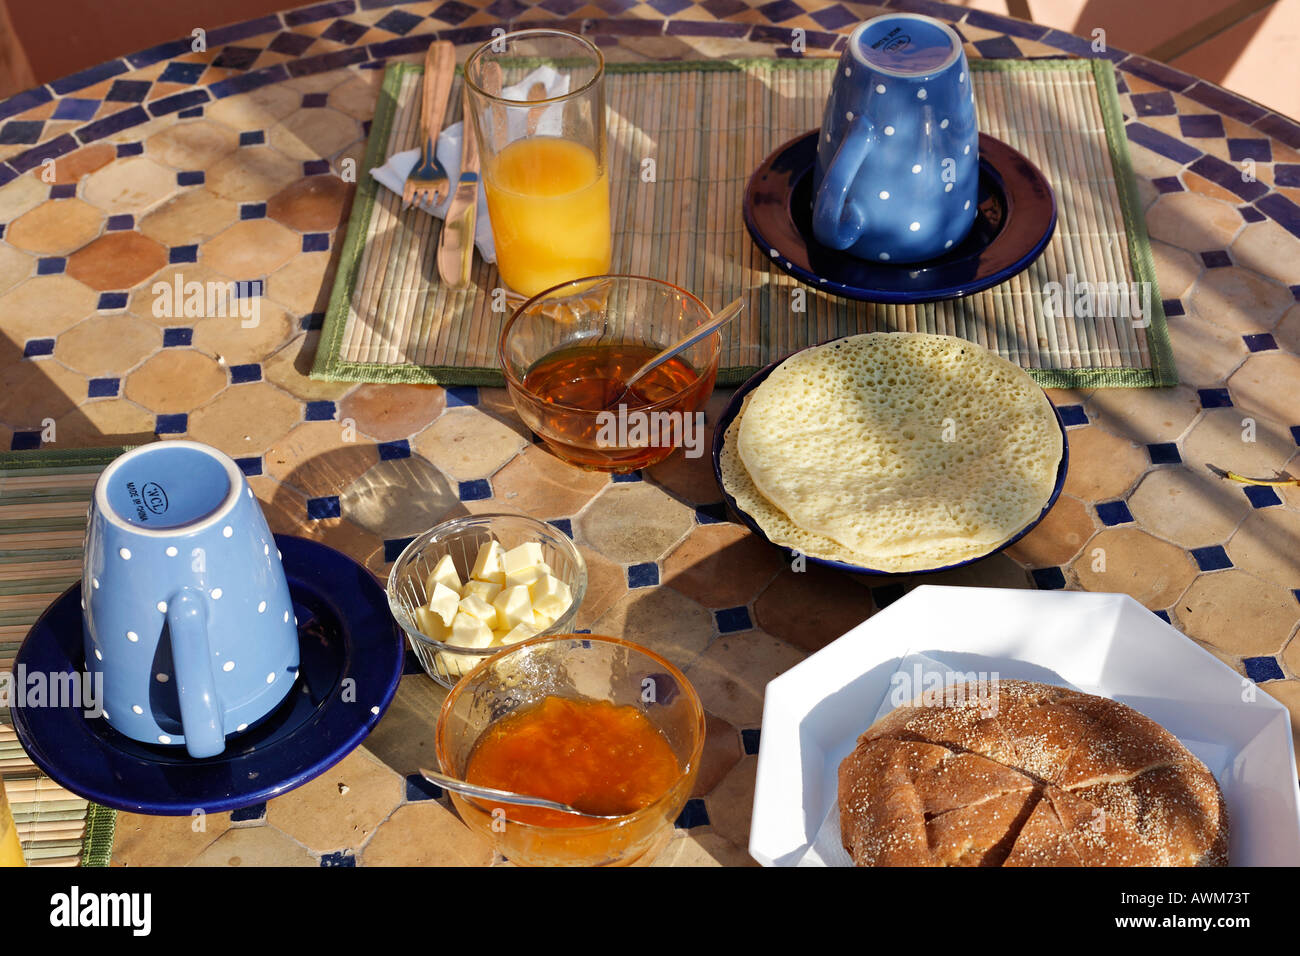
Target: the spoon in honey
(720, 318)
(505, 796)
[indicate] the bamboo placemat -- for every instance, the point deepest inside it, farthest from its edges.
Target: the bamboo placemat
(43, 500)
(707, 126)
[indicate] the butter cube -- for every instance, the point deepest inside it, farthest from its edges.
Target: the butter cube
(431, 625)
(551, 596)
(520, 632)
(526, 576)
(475, 606)
(443, 602)
(468, 631)
(487, 590)
(487, 566)
(514, 607)
(528, 554)
(444, 573)
(542, 621)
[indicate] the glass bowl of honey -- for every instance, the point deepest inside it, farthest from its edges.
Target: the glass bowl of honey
(598, 723)
(567, 353)
(467, 556)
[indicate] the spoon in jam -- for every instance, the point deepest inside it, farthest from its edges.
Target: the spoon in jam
(505, 796)
(720, 318)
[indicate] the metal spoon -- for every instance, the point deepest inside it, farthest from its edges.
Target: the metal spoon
(505, 796)
(720, 318)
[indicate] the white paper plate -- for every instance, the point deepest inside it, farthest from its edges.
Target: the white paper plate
(1105, 644)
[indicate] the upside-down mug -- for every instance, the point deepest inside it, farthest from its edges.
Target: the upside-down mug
(897, 170)
(187, 614)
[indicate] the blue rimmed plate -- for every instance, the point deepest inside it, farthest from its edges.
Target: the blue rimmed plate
(351, 661)
(1016, 219)
(733, 409)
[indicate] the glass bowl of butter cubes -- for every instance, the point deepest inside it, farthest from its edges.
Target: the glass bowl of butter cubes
(470, 586)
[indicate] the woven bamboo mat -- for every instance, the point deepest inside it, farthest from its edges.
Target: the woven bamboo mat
(43, 502)
(707, 126)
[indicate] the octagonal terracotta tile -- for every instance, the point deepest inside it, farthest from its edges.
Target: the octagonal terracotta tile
(174, 381)
(252, 174)
(1192, 222)
(1058, 537)
(1238, 613)
(731, 804)
(254, 846)
(44, 307)
(702, 847)
(722, 748)
(1268, 249)
(33, 392)
(117, 260)
(107, 345)
(340, 808)
(313, 133)
(1130, 561)
(606, 585)
(467, 444)
(73, 167)
(1176, 269)
(251, 249)
(1267, 544)
(1240, 300)
(15, 265)
(189, 217)
(134, 185)
(812, 607)
(181, 294)
(1287, 332)
(1205, 353)
(112, 421)
(389, 412)
(1188, 506)
(356, 96)
(1144, 415)
(164, 841)
(244, 420)
(315, 458)
(668, 623)
(193, 145)
(1268, 383)
(255, 110)
(235, 340)
(426, 834)
(732, 674)
(400, 498)
(291, 365)
(539, 483)
(1102, 465)
(58, 226)
(312, 204)
(1234, 440)
(634, 522)
(304, 283)
(722, 565)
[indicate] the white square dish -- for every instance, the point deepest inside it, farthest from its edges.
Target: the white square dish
(1105, 644)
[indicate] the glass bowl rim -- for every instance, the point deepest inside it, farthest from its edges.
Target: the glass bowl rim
(692, 764)
(537, 31)
(714, 339)
(421, 540)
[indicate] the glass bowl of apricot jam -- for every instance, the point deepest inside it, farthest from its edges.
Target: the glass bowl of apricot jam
(567, 352)
(599, 723)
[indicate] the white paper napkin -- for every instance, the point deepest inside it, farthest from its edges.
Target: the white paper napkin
(392, 175)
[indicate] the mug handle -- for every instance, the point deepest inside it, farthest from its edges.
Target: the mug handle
(201, 715)
(830, 224)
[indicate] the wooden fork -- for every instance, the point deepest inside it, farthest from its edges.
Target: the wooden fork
(428, 181)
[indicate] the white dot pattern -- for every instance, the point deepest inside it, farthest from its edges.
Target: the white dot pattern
(227, 531)
(125, 553)
(162, 607)
(137, 708)
(880, 87)
(884, 194)
(916, 169)
(921, 94)
(270, 678)
(172, 552)
(164, 739)
(133, 637)
(261, 607)
(216, 594)
(914, 226)
(228, 666)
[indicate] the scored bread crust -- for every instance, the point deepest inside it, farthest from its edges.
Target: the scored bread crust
(1016, 773)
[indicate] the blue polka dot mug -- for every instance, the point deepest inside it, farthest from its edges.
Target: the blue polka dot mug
(898, 157)
(187, 614)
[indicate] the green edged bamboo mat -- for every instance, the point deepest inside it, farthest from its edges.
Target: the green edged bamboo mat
(707, 126)
(43, 500)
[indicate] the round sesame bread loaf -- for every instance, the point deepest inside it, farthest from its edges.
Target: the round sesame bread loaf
(1014, 773)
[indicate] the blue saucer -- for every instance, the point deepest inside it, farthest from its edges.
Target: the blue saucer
(1016, 218)
(733, 409)
(346, 634)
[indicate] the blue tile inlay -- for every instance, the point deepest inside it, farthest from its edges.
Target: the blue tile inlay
(128, 91)
(315, 167)
(320, 411)
(733, 619)
(1158, 73)
(393, 548)
(314, 100)
(1163, 615)
(1211, 558)
(1161, 143)
(341, 858)
(25, 441)
(1259, 342)
(417, 788)
(21, 132)
(252, 137)
(399, 22)
(37, 347)
(1262, 668)
(1216, 259)
(316, 242)
(1113, 513)
(393, 450)
(71, 108)
(88, 77)
(251, 467)
(24, 101)
(694, 814)
(243, 374)
(1048, 579)
(173, 338)
(171, 424)
(564, 524)
(1173, 308)
(1261, 496)
(193, 113)
(112, 300)
(252, 210)
(184, 73)
(128, 149)
(477, 490)
(63, 191)
(324, 507)
(1295, 434)
(1201, 125)
(462, 395)
(51, 266)
(1256, 149)
(1286, 174)
(177, 102)
(191, 177)
(1073, 414)
(119, 222)
(643, 575)
(1207, 94)
(313, 320)
(1164, 453)
(998, 48)
(104, 387)
(1214, 397)
(248, 814)
(237, 57)
(1228, 176)
(749, 740)
(1168, 184)
(1282, 211)
(179, 254)
(1251, 214)
(1154, 104)
(886, 594)
(711, 514)
(626, 477)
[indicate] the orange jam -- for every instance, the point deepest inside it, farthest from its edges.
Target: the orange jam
(587, 753)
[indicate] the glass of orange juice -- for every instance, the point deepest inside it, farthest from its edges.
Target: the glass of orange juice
(537, 104)
(11, 852)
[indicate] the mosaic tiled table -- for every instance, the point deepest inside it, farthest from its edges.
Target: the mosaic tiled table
(222, 165)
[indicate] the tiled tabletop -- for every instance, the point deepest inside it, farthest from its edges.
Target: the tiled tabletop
(224, 165)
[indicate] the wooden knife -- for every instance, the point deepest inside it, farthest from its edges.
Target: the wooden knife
(456, 242)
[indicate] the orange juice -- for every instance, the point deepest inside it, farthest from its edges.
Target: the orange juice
(548, 199)
(11, 853)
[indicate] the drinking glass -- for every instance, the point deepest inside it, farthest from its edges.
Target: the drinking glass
(11, 852)
(537, 105)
